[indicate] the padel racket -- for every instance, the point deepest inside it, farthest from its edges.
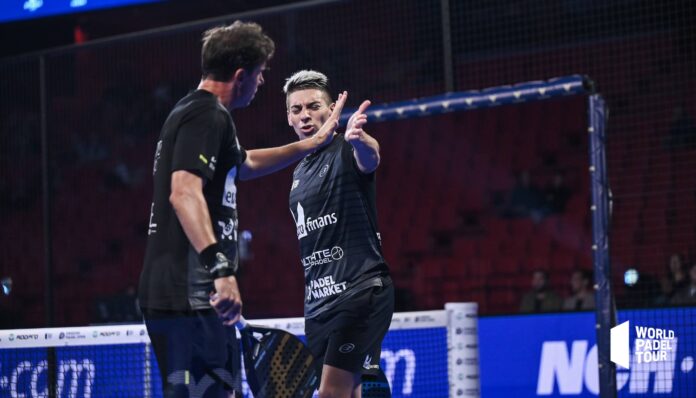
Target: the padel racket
(277, 363)
(375, 386)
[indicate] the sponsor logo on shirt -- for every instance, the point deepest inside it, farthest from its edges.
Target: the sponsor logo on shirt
(324, 170)
(305, 226)
(158, 152)
(229, 230)
(323, 257)
(229, 195)
(324, 287)
(152, 225)
(213, 161)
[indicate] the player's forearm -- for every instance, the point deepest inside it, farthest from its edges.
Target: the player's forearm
(194, 218)
(366, 152)
(260, 162)
(192, 212)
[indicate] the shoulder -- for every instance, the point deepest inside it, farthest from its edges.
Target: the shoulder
(344, 149)
(212, 117)
(335, 150)
(200, 103)
(339, 145)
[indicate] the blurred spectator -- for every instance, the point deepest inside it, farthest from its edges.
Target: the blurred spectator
(556, 194)
(676, 279)
(118, 308)
(121, 176)
(582, 294)
(666, 292)
(687, 294)
(525, 199)
(90, 147)
(677, 273)
(541, 298)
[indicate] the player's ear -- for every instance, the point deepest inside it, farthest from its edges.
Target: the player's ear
(327, 98)
(239, 75)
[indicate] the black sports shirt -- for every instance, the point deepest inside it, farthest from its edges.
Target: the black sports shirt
(333, 206)
(198, 136)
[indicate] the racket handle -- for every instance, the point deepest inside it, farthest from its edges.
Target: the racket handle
(242, 323)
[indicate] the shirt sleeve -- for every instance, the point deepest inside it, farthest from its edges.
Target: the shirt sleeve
(198, 143)
(239, 149)
(349, 156)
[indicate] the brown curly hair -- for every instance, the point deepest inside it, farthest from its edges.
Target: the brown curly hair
(228, 48)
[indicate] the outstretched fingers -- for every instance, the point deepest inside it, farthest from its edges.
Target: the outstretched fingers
(359, 121)
(363, 107)
(338, 108)
(359, 114)
(327, 132)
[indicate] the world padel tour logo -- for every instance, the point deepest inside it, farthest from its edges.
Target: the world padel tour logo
(650, 345)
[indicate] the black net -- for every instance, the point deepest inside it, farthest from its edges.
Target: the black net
(21, 198)
(501, 193)
(641, 56)
(107, 105)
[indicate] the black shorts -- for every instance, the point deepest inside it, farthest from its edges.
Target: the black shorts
(349, 337)
(196, 354)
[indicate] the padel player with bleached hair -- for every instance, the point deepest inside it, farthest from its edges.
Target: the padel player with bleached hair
(192, 238)
(349, 297)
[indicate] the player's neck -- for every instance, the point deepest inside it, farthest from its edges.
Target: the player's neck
(222, 90)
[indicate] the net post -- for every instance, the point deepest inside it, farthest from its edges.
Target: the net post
(605, 314)
(51, 362)
(462, 350)
(147, 370)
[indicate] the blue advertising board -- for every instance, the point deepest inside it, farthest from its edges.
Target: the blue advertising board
(14, 10)
(82, 371)
(414, 360)
(551, 355)
(555, 355)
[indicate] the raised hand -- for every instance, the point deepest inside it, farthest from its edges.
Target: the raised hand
(354, 130)
(326, 133)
